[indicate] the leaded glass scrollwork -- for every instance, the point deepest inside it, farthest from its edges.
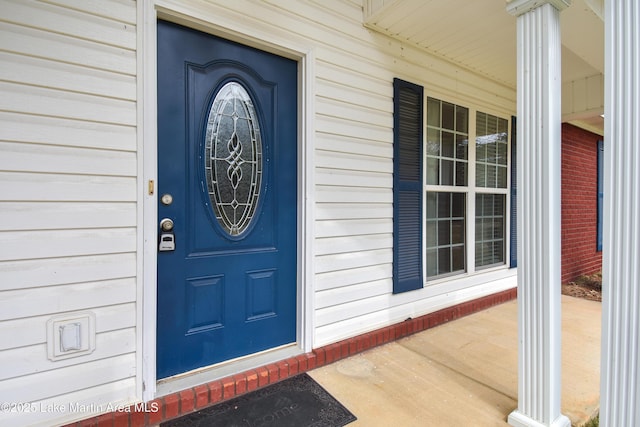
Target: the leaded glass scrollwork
(233, 158)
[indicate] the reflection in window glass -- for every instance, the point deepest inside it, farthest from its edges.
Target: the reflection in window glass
(491, 151)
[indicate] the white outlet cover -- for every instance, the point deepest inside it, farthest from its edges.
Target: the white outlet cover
(71, 335)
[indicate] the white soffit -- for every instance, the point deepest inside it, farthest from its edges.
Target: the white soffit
(476, 34)
(480, 35)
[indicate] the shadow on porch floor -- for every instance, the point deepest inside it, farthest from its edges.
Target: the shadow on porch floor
(464, 373)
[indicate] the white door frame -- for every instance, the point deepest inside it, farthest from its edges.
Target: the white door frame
(219, 21)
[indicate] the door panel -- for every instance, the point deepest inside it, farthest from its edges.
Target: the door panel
(227, 155)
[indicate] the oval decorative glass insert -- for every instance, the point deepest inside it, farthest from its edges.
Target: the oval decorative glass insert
(233, 158)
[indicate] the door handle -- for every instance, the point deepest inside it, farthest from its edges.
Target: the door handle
(166, 225)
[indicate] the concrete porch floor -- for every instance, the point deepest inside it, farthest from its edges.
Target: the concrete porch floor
(465, 372)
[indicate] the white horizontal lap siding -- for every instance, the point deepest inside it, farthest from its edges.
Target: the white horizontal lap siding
(353, 161)
(68, 174)
(353, 158)
(108, 318)
(354, 240)
(352, 141)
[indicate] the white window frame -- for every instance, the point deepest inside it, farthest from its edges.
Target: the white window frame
(470, 190)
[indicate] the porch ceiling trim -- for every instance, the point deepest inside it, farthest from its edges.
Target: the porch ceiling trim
(520, 7)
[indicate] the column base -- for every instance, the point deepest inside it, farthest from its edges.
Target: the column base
(518, 419)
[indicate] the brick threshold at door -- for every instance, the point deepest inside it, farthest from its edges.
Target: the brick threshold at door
(202, 396)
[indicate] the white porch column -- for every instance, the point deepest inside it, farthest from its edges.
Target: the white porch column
(539, 138)
(620, 366)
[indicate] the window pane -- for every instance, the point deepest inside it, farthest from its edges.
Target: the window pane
(447, 164)
(447, 140)
(503, 128)
(481, 123)
(480, 175)
(481, 151)
(433, 142)
(502, 153)
(433, 171)
(492, 125)
(498, 228)
(433, 112)
(457, 231)
(447, 116)
(479, 252)
(498, 250)
(432, 234)
(498, 206)
(490, 229)
(461, 174)
(487, 205)
(491, 151)
(487, 229)
(446, 173)
(462, 119)
(444, 260)
(502, 178)
(457, 258)
(462, 146)
(432, 205)
(479, 223)
(432, 262)
(447, 144)
(458, 206)
(445, 233)
(491, 176)
(444, 205)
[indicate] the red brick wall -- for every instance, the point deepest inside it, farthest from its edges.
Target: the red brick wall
(579, 203)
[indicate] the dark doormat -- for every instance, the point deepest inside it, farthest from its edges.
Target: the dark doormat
(295, 402)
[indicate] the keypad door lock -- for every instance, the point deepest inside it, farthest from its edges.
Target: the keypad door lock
(167, 239)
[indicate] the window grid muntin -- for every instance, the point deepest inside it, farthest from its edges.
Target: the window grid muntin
(447, 143)
(446, 233)
(490, 230)
(471, 190)
(492, 148)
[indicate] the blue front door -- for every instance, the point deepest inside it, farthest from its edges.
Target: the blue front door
(227, 179)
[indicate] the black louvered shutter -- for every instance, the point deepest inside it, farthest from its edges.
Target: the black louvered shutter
(513, 262)
(408, 101)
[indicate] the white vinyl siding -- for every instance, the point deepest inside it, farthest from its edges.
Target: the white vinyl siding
(68, 174)
(69, 219)
(353, 159)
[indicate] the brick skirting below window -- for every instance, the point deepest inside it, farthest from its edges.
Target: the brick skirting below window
(202, 396)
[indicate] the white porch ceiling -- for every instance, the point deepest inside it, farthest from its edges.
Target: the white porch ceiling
(481, 36)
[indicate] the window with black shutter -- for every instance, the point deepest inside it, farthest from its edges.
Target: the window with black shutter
(453, 189)
(408, 102)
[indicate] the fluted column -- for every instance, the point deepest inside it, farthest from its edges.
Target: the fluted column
(539, 130)
(620, 367)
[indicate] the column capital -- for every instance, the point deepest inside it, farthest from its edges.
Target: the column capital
(520, 7)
